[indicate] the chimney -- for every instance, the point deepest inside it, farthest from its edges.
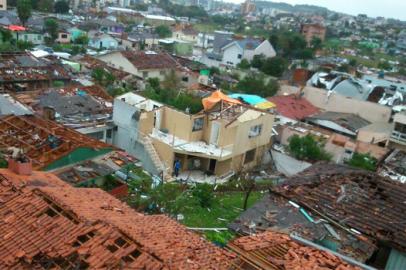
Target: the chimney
(21, 165)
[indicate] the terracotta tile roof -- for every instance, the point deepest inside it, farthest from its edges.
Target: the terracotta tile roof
(145, 60)
(292, 107)
(41, 140)
(271, 250)
(356, 199)
(43, 227)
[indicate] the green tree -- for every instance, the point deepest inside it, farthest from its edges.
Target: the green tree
(307, 148)
(61, 6)
(103, 77)
(171, 81)
(83, 39)
(256, 84)
(363, 161)
(384, 65)
(275, 66)
(163, 31)
(244, 64)
(46, 5)
(5, 35)
(51, 28)
(353, 62)
(204, 194)
(316, 43)
(258, 61)
(24, 10)
(23, 45)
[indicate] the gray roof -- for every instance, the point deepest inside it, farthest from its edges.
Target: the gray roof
(350, 89)
(9, 106)
(349, 121)
(249, 43)
(70, 105)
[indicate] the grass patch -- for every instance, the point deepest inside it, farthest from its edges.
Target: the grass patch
(205, 27)
(225, 208)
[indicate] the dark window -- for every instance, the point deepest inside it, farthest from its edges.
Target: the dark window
(109, 134)
(64, 36)
(250, 156)
(255, 131)
(185, 79)
(239, 56)
(198, 124)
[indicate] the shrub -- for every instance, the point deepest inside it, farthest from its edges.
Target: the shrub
(204, 194)
(307, 148)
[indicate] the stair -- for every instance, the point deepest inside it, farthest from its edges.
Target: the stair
(156, 160)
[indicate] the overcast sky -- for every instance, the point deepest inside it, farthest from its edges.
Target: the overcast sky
(387, 8)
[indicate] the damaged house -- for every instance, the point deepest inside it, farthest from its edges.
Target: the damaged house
(48, 224)
(87, 109)
(47, 144)
(213, 144)
(350, 211)
(21, 71)
(368, 88)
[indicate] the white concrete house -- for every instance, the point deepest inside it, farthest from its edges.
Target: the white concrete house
(237, 50)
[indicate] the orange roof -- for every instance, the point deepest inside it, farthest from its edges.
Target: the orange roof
(61, 226)
(217, 97)
(271, 250)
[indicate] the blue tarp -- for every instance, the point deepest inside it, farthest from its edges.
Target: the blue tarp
(250, 99)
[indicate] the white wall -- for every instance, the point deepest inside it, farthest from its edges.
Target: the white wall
(230, 55)
(266, 49)
(117, 60)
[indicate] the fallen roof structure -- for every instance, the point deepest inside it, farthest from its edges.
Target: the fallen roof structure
(73, 106)
(43, 141)
(23, 67)
(361, 201)
(271, 250)
(394, 166)
(48, 224)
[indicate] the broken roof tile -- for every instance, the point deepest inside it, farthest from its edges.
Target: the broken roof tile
(62, 226)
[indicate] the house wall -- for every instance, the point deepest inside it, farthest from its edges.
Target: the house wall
(230, 55)
(266, 49)
(117, 60)
(178, 123)
(223, 167)
(63, 38)
(108, 43)
(400, 118)
(368, 136)
(34, 38)
(337, 103)
(166, 154)
(243, 143)
(3, 4)
(127, 137)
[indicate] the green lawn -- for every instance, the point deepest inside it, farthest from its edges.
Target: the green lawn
(206, 27)
(226, 207)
